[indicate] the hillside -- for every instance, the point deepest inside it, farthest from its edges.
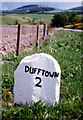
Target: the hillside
(79, 8)
(30, 9)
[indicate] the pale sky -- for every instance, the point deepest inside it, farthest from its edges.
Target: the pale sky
(61, 4)
(41, 0)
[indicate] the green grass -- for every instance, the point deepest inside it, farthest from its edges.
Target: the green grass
(6, 20)
(46, 17)
(10, 19)
(65, 47)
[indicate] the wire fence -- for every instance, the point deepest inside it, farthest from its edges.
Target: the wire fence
(17, 37)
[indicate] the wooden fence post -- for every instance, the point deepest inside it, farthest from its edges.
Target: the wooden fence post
(18, 40)
(37, 42)
(44, 29)
(47, 30)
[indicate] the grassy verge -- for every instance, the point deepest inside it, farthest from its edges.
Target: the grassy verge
(65, 47)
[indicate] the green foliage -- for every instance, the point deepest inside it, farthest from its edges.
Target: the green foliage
(16, 22)
(72, 17)
(77, 19)
(59, 20)
(65, 47)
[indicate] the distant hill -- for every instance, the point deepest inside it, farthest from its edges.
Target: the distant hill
(30, 9)
(55, 11)
(79, 8)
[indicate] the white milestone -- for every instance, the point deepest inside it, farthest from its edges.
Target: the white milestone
(37, 78)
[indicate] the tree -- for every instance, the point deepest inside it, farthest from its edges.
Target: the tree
(59, 20)
(78, 19)
(72, 17)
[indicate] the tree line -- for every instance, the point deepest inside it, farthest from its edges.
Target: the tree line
(60, 20)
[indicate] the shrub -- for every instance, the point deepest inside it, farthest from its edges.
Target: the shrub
(9, 23)
(59, 20)
(78, 24)
(41, 21)
(73, 18)
(16, 22)
(23, 17)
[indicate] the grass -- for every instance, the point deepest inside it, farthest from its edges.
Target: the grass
(46, 17)
(10, 19)
(6, 20)
(65, 47)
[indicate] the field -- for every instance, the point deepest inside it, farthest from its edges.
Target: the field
(28, 35)
(10, 19)
(65, 47)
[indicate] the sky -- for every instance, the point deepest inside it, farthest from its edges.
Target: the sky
(41, 0)
(12, 4)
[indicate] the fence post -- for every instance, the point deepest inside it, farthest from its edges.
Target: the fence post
(47, 30)
(44, 29)
(18, 40)
(37, 42)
